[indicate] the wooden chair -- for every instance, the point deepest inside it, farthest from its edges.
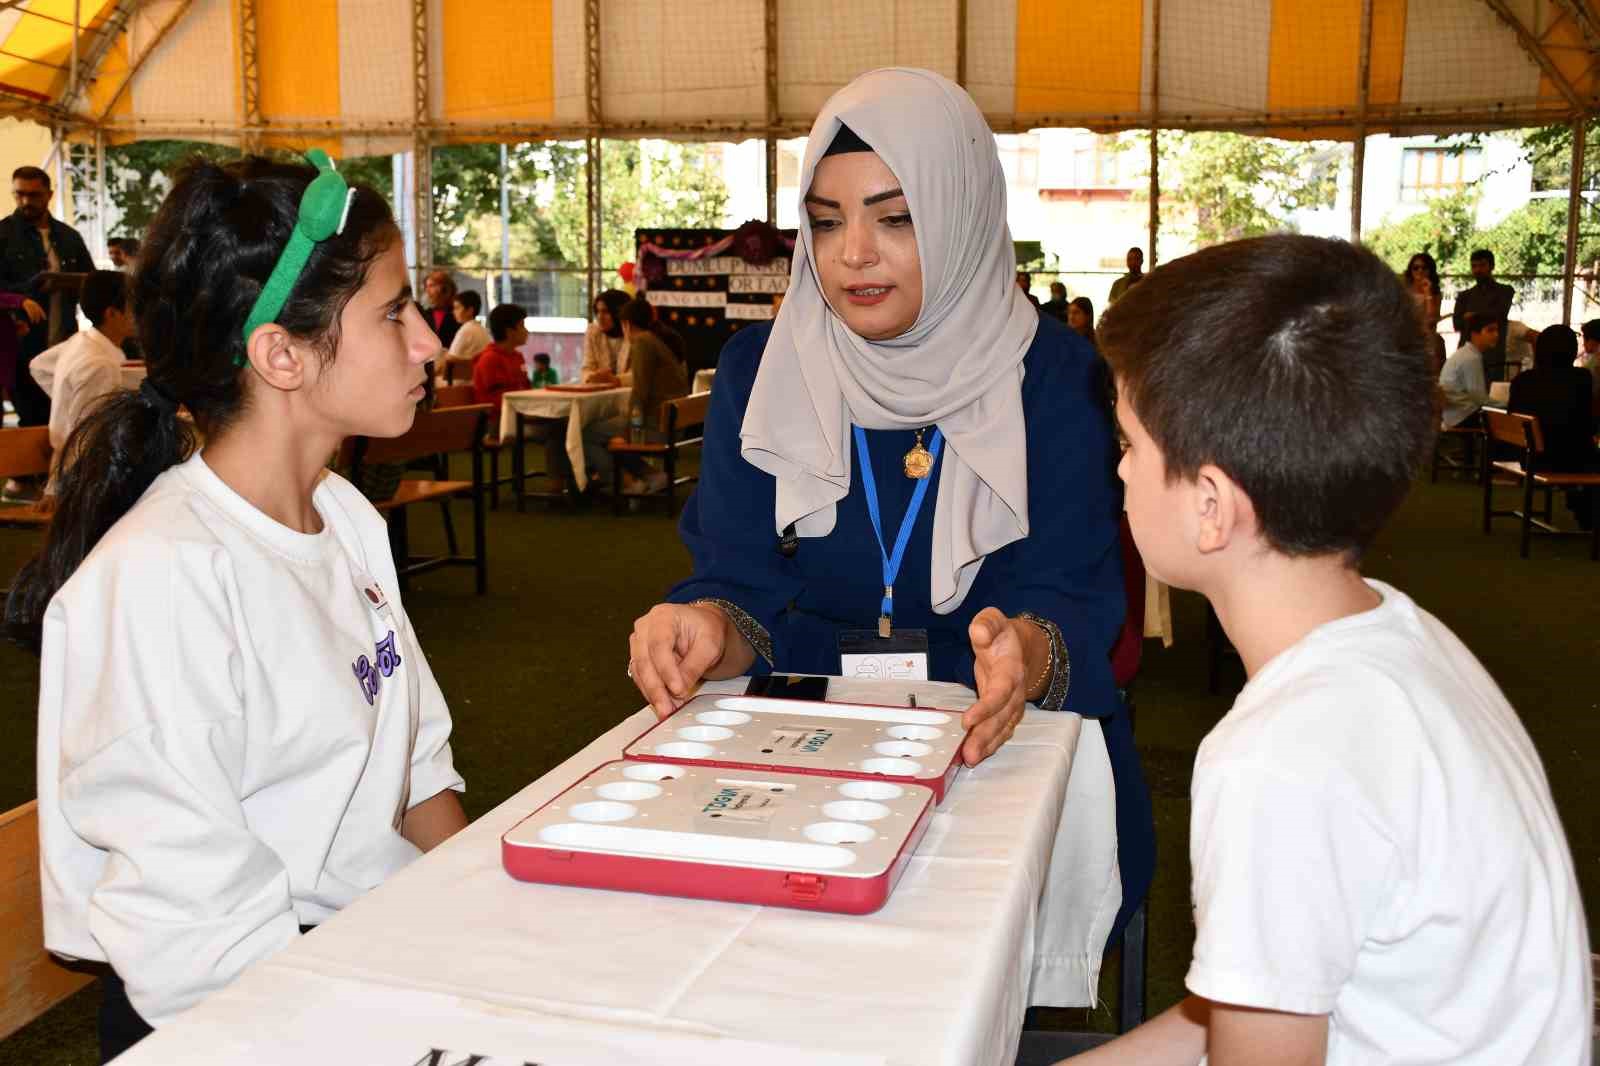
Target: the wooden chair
(1522, 433)
(34, 980)
(24, 453)
(461, 396)
(683, 424)
(1471, 438)
(452, 396)
(452, 429)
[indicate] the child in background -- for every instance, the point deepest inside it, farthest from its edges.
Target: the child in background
(543, 373)
(1379, 874)
(500, 369)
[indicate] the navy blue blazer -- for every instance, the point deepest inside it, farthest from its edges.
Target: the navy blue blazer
(1068, 569)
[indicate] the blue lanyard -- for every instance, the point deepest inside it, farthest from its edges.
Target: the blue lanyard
(891, 562)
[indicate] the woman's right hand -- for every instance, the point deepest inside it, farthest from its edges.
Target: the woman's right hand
(672, 648)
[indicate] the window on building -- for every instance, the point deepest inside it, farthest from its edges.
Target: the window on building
(1426, 172)
(1095, 163)
(1028, 166)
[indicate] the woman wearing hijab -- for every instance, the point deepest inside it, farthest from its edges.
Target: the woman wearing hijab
(909, 449)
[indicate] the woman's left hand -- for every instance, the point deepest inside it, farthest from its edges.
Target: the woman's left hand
(998, 666)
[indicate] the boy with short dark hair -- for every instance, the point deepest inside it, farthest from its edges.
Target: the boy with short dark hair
(499, 368)
(1462, 378)
(86, 367)
(543, 373)
(1379, 874)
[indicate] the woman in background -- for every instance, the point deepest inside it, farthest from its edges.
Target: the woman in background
(605, 349)
(1080, 319)
(1558, 394)
(1422, 282)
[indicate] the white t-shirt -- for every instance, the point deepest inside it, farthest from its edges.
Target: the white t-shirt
(1373, 838)
(1465, 391)
(229, 734)
(470, 339)
(74, 374)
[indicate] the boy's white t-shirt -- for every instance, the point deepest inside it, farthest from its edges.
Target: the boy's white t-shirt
(470, 339)
(233, 719)
(1373, 838)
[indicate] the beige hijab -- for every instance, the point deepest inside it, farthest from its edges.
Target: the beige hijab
(960, 364)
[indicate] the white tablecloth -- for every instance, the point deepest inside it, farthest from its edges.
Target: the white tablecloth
(703, 379)
(578, 408)
(133, 376)
(454, 955)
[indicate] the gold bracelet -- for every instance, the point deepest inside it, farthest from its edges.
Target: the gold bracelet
(1049, 659)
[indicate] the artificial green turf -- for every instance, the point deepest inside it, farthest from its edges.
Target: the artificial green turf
(535, 669)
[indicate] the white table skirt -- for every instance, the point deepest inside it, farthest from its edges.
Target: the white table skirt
(454, 955)
(578, 408)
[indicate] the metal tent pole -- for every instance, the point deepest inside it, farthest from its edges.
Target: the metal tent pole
(505, 226)
(1358, 164)
(961, 43)
(772, 111)
(422, 144)
(596, 120)
(1574, 210)
(102, 206)
(1155, 130)
(249, 76)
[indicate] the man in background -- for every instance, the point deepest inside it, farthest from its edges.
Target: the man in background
(32, 243)
(1134, 275)
(1025, 283)
(1056, 306)
(1487, 298)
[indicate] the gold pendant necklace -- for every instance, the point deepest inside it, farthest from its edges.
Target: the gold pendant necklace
(919, 460)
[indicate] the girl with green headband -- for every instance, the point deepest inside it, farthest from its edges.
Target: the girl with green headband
(238, 733)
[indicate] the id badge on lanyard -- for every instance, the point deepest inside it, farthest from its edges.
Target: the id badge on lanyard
(887, 652)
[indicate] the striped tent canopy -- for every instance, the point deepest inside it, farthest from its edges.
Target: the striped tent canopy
(369, 76)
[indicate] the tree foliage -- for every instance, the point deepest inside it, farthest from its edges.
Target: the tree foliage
(1241, 186)
(139, 176)
(1549, 150)
(1532, 240)
(643, 183)
(1446, 230)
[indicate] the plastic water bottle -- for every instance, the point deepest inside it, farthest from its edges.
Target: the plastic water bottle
(636, 427)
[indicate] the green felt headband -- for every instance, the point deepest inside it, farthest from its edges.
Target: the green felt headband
(324, 209)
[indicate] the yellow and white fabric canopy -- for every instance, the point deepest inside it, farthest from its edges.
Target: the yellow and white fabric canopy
(344, 73)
